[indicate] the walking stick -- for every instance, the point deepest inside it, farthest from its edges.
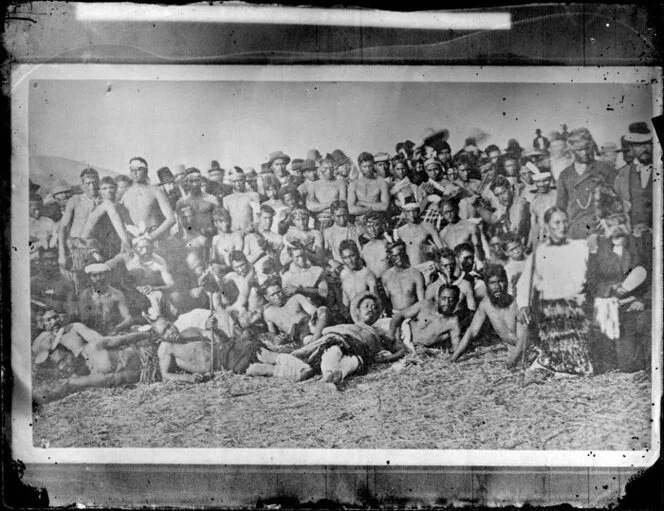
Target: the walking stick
(211, 336)
(530, 303)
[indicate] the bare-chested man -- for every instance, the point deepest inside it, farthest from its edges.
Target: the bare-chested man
(374, 251)
(404, 285)
(241, 203)
(417, 234)
(226, 240)
(311, 240)
(148, 206)
(369, 192)
(102, 307)
(238, 284)
(304, 278)
(106, 222)
(355, 277)
(501, 310)
(74, 252)
(201, 203)
(459, 231)
(295, 318)
(147, 273)
(341, 230)
(324, 192)
(432, 321)
(446, 268)
(89, 359)
(262, 244)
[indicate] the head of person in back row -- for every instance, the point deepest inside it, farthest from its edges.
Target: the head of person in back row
(138, 170)
(366, 162)
(382, 163)
(278, 162)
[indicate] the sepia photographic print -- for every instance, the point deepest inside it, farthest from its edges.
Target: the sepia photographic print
(336, 265)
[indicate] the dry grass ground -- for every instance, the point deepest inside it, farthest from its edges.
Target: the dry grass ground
(430, 404)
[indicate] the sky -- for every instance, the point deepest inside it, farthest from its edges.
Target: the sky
(106, 122)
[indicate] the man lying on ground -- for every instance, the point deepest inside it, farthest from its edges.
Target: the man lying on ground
(351, 348)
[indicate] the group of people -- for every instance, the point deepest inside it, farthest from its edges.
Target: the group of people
(324, 265)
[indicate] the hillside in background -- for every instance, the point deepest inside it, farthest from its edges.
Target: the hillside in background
(46, 170)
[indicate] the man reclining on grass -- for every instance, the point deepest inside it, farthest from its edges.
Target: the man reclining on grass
(351, 348)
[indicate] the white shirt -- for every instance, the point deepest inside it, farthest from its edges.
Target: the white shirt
(560, 272)
(644, 173)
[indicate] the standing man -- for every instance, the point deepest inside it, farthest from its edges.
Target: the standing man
(278, 162)
(513, 214)
(417, 234)
(355, 277)
(148, 206)
(374, 251)
(75, 252)
(633, 183)
(382, 161)
(241, 203)
(540, 203)
(457, 230)
(216, 175)
(202, 204)
(369, 192)
(577, 182)
(324, 192)
(341, 230)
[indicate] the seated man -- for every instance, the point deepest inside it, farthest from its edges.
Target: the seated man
(310, 240)
(420, 237)
(102, 307)
(501, 309)
(351, 348)
(304, 278)
(459, 231)
(516, 253)
(355, 277)
(293, 320)
(446, 270)
(374, 251)
(617, 278)
(262, 246)
(238, 284)
(340, 231)
(226, 240)
(431, 322)
(403, 285)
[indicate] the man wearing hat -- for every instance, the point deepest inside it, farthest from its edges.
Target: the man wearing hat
(435, 188)
(216, 174)
(324, 192)
(369, 192)
(577, 182)
(148, 206)
(342, 165)
(633, 183)
(242, 202)
(608, 153)
(100, 306)
(540, 142)
(277, 163)
(167, 184)
(382, 163)
(252, 180)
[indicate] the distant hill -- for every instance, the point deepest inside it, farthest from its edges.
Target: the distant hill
(46, 170)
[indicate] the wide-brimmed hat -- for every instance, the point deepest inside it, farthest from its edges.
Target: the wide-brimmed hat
(61, 187)
(165, 175)
(380, 157)
(609, 147)
(214, 165)
(296, 164)
(278, 155)
(339, 157)
(358, 299)
(308, 165)
(639, 133)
